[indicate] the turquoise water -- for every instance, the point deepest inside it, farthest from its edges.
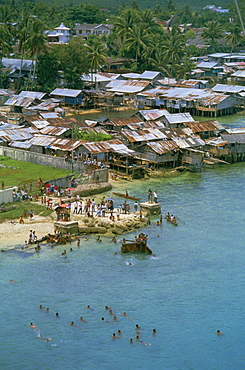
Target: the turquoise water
(194, 286)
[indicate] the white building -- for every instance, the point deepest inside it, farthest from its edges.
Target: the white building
(60, 34)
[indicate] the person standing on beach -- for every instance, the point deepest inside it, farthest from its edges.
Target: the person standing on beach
(31, 214)
(136, 206)
(155, 196)
(149, 196)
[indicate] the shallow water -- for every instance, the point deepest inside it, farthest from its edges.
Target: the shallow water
(193, 287)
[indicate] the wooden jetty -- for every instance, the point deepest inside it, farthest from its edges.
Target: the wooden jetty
(137, 245)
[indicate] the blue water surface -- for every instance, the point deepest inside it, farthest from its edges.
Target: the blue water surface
(193, 287)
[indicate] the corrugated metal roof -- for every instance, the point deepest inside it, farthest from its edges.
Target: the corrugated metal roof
(66, 92)
(150, 75)
(17, 134)
(240, 74)
(176, 118)
(124, 121)
(188, 142)
(131, 75)
(20, 144)
(161, 147)
(40, 124)
(127, 86)
(234, 138)
(190, 83)
(153, 114)
(217, 141)
(50, 115)
(228, 88)
(143, 135)
(25, 64)
(201, 126)
(19, 101)
(55, 143)
(95, 77)
(45, 105)
(53, 130)
(108, 146)
(32, 94)
(207, 65)
(237, 130)
(6, 92)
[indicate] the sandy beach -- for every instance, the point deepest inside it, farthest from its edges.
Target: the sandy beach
(12, 233)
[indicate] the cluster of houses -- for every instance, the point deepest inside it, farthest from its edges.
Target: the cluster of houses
(152, 138)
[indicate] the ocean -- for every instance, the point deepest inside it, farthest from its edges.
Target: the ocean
(193, 287)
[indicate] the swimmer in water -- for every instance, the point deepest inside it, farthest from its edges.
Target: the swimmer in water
(114, 336)
(33, 326)
(57, 314)
(78, 242)
(12, 281)
(141, 341)
(111, 312)
(89, 308)
(114, 318)
(119, 332)
(137, 327)
(154, 332)
(131, 341)
(41, 307)
(107, 321)
(218, 332)
(124, 314)
(81, 319)
(47, 309)
(45, 339)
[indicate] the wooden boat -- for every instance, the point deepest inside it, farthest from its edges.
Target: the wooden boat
(174, 222)
(125, 196)
(137, 245)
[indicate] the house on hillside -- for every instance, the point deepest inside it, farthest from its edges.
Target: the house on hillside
(59, 35)
(161, 153)
(86, 29)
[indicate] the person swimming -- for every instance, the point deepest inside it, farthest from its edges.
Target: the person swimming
(47, 309)
(41, 307)
(57, 314)
(131, 341)
(154, 331)
(107, 321)
(89, 308)
(114, 336)
(33, 326)
(124, 314)
(12, 281)
(218, 332)
(81, 319)
(141, 341)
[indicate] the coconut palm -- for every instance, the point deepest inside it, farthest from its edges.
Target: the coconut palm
(24, 25)
(124, 24)
(234, 37)
(185, 67)
(5, 42)
(97, 55)
(173, 49)
(36, 42)
(147, 21)
(6, 17)
(213, 32)
(138, 40)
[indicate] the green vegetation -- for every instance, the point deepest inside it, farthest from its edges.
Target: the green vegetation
(18, 173)
(22, 208)
(90, 135)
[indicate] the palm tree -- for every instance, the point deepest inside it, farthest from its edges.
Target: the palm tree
(185, 67)
(5, 42)
(97, 55)
(36, 42)
(24, 25)
(234, 37)
(124, 24)
(138, 40)
(6, 17)
(146, 20)
(213, 32)
(173, 49)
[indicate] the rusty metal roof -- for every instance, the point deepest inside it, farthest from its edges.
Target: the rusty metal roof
(53, 130)
(55, 143)
(161, 147)
(32, 94)
(18, 134)
(176, 118)
(124, 121)
(108, 146)
(190, 83)
(45, 105)
(143, 135)
(201, 126)
(40, 123)
(19, 101)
